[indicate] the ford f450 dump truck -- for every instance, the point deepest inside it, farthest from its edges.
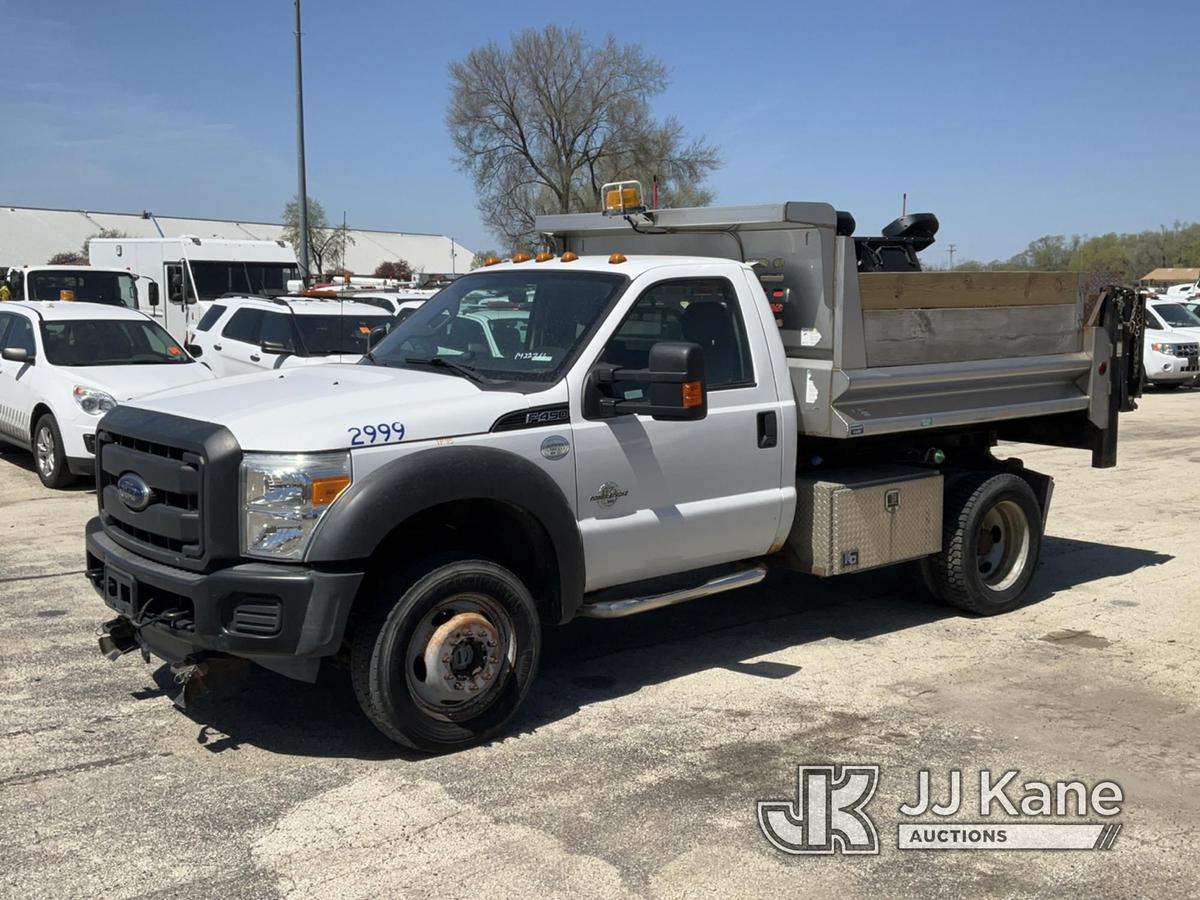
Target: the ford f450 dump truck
(659, 408)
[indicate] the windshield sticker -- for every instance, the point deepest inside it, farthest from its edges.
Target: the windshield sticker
(533, 357)
(383, 433)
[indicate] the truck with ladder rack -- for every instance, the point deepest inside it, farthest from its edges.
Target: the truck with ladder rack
(670, 402)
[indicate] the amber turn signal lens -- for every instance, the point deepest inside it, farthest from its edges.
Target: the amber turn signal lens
(492, 261)
(617, 258)
(521, 257)
(693, 394)
(570, 256)
(543, 257)
(326, 490)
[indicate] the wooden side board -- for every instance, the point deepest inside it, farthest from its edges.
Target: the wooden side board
(961, 290)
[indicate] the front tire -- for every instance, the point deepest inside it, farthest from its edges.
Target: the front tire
(446, 653)
(49, 459)
(991, 541)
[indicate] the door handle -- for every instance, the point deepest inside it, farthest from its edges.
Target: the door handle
(768, 430)
(216, 346)
(254, 357)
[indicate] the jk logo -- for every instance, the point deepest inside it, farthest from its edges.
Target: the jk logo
(828, 815)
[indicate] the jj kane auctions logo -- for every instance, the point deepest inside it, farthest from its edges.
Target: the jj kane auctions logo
(829, 814)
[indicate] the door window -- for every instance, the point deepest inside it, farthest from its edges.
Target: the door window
(243, 326)
(209, 319)
(277, 328)
(20, 335)
(701, 311)
(5, 320)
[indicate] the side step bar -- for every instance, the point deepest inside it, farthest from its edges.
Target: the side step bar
(628, 606)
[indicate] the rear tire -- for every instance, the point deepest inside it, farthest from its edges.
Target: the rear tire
(446, 653)
(49, 460)
(991, 541)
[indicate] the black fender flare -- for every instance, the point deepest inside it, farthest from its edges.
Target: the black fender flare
(374, 506)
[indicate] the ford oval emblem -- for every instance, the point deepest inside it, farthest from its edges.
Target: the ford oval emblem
(134, 492)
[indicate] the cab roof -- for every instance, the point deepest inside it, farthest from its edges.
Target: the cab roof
(60, 310)
(634, 264)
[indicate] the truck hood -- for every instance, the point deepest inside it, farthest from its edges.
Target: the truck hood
(313, 408)
(125, 383)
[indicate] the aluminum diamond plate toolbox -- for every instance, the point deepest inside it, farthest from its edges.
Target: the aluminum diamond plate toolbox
(851, 520)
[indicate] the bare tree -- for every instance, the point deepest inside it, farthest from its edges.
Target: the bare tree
(326, 245)
(542, 125)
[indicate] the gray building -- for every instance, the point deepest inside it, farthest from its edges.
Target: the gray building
(30, 236)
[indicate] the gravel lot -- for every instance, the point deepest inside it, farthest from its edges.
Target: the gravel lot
(646, 743)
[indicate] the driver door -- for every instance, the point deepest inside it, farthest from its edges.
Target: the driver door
(661, 497)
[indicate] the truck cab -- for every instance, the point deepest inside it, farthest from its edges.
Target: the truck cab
(658, 426)
(82, 284)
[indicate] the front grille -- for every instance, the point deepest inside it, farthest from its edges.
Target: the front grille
(172, 520)
(1187, 351)
(182, 462)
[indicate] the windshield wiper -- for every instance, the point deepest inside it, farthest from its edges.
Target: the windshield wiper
(437, 362)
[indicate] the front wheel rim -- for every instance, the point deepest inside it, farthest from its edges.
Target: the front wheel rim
(460, 656)
(1003, 544)
(44, 451)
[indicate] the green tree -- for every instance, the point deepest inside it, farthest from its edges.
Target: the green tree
(326, 244)
(542, 124)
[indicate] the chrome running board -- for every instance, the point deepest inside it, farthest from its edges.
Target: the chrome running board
(628, 606)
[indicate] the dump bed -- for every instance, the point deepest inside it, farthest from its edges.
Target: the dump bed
(884, 352)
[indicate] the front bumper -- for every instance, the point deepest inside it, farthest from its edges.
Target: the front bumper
(284, 617)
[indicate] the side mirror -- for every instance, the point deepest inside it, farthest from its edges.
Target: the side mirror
(378, 333)
(671, 388)
(17, 355)
(276, 348)
(152, 293)
(195, 350)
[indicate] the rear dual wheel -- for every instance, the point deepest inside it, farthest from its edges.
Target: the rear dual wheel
(991, 542)
(446, 653)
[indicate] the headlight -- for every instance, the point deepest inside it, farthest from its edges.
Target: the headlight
(1164, 349)
(92, 401)
(284, 497)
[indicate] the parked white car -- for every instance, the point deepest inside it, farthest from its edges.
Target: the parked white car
(400, 304)
(237, 336)
(63, 365)
(1172, 348)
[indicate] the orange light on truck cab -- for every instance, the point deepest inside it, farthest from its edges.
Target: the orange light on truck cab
(66, 296)
(570, 256)
(693, 394)
(326, 490)
(492, 261)
(623, 198)
(521, 257)
(617, 258)
(544, 256)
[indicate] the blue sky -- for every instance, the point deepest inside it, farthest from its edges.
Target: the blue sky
(1009, 120)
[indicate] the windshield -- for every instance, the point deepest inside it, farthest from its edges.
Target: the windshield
(112, 288)
(1176, 315)
(83, 342)
(326, 335)
(214, 279)
(515, 326)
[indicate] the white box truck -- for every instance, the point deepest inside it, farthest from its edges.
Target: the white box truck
(177, 273)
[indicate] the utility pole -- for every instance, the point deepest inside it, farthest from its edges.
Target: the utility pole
(302, 188)
(950, 249)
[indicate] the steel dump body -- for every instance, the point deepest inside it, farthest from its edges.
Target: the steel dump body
(883, 352)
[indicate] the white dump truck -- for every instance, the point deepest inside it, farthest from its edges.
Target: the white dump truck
(670, 402)
(175, 274)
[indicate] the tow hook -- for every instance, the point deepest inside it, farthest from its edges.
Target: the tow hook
(116, 638)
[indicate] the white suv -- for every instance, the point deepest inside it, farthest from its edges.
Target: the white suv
(1171, 354)
(237, 336)
(63, 365)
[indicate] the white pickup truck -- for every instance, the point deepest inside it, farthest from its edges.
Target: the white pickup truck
(687, 397)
